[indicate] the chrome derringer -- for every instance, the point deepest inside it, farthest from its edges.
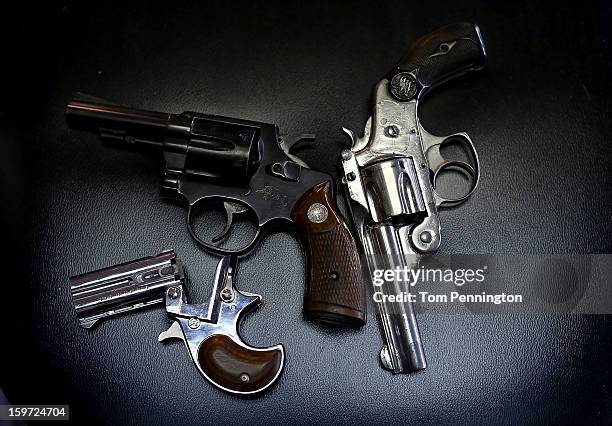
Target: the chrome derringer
(209, 330)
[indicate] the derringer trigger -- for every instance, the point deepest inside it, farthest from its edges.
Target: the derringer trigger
(174, 332)
(231, 209)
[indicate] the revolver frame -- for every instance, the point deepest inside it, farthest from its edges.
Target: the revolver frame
(390, 177)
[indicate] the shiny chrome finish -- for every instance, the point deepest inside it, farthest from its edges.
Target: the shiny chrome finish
(122, 288)
(403, 351)
(219, 316)
(160, 278)
(390, 178)
(392, 189)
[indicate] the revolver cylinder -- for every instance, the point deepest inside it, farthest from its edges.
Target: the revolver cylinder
(193, 143)
(392, 189)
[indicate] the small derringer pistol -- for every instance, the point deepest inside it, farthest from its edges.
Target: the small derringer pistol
(209, 330)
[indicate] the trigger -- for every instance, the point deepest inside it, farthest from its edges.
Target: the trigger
(231, 209)
(435, 159)
(351, 136)
(174, 332)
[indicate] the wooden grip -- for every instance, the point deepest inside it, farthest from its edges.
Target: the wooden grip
(239, 369)
(334, 288)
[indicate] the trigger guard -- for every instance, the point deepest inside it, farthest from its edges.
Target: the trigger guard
(437, 163)
(192, 211)
(462, 167)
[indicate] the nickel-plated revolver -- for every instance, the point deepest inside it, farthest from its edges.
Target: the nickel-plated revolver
(209, 330)
(245, 166)
(391, 174)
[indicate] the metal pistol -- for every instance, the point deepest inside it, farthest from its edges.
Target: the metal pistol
(247, 168)
(391, 174)
(209, 330)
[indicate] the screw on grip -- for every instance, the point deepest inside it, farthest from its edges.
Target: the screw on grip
(439, 56)
(335, 290)
(210, 330)
(245, 166)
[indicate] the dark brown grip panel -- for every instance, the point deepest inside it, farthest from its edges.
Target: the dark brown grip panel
(236, 368)
(441, 55)
(334, 288)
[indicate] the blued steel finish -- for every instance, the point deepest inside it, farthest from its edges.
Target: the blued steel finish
(246, 167)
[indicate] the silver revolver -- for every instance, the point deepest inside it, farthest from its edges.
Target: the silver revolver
(390, 174)
(209, 330)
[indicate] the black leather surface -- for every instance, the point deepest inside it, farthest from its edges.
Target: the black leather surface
(539, 116)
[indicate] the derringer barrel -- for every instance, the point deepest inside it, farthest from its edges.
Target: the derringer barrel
(126, 287)
(118, 123)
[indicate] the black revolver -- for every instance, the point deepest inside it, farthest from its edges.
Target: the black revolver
(247, 167)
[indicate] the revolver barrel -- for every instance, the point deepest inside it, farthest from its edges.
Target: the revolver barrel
(118, 123)
(197, 144)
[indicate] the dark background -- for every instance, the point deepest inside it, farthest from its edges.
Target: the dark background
(539, 116)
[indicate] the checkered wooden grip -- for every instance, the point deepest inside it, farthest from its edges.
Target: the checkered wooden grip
(335, 289)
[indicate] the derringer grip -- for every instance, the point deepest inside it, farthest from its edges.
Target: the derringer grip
(334, 290)
(441, 55)
(237, 368)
